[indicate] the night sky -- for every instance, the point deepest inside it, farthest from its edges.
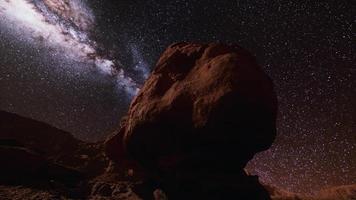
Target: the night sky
(78, 69)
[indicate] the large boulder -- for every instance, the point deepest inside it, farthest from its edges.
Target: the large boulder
(205, 111)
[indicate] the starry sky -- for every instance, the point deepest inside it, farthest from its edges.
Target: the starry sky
(77, 64)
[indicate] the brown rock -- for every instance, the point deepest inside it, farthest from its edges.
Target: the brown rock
(205, 108)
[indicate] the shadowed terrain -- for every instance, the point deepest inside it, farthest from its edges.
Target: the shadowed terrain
(203, 113)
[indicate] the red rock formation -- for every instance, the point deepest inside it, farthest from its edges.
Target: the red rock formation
(203, 113)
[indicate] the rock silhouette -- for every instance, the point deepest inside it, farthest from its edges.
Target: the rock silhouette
(48, 142)
(37, 156)
(203, 113)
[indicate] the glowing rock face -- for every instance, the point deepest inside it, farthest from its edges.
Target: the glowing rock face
(203, 113)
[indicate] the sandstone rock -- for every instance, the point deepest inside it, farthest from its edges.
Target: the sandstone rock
(200, 98)
(205, 109)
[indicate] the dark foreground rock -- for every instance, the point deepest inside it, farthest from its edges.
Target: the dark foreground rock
(203, 113)
(21, 165)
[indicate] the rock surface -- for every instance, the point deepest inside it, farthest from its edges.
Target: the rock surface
(203, 113)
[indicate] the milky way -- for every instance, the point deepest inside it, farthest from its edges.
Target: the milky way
(64, 25)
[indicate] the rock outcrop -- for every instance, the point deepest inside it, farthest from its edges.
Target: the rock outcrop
(203, 113)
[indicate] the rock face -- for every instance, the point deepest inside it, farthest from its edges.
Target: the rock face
(203, 113)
